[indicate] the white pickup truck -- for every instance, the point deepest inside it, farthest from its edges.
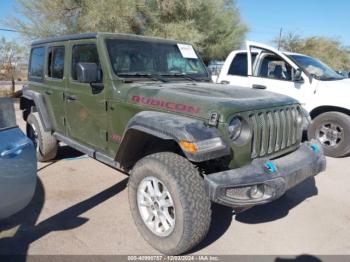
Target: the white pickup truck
(323, 92)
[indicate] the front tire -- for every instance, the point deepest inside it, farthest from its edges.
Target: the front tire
(45, 143)
(168, 202)
(332, 130)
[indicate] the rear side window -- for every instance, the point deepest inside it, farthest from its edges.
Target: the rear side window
(36, 67)
(55, 68)
(239, 64)
(7, 114)
(86, 53)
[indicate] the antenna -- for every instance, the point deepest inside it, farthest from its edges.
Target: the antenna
(280, 39)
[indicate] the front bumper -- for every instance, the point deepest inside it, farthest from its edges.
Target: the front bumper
(265, 180)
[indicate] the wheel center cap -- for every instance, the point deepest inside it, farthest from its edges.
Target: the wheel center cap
(332, 135)
(156, 205)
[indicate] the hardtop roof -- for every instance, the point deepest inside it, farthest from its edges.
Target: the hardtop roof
(103, 34)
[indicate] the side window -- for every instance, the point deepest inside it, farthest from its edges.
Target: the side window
(36, 67)
(239, 65)
(7, 113)
(85, 53)
(275, 68)
(56, 62)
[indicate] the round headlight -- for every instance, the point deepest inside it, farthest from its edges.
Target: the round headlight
(306, 119)
(235, 128)
(300, 116)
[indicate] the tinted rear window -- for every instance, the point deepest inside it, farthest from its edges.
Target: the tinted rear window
(56, 62)
(7, 113)
(239, 65)
(36, 67)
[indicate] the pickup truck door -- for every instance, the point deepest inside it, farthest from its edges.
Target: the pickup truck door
(272, 70)
(234, 70)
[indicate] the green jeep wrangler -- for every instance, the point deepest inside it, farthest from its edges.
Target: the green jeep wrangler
(146, 106)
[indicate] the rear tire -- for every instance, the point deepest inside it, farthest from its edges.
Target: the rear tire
(191, 207)
(332, 130)
(45, 143)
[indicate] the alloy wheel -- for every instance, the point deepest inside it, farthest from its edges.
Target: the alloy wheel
(156, 206)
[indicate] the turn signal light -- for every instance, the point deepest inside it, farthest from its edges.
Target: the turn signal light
(188, 146)
(207, 145)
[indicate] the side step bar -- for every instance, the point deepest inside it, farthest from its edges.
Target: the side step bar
(88, 151)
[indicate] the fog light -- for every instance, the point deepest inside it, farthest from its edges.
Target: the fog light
(245, 193)
(256, 191)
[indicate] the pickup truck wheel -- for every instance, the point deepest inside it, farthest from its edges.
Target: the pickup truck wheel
(168, 202)
(332, 130)
(45, 143)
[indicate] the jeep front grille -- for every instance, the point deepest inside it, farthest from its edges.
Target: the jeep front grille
(275, 130)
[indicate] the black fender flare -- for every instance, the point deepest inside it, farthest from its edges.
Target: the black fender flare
(177, 128)
(38, 100)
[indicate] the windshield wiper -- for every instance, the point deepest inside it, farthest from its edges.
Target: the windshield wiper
(154, 77)
(333, 78)
(330, 78)
(315, 76)
(185, 76)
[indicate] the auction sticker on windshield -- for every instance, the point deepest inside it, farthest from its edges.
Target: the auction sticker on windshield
(187, 51)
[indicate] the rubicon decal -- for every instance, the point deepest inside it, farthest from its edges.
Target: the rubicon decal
(165, 104)
(116, 138)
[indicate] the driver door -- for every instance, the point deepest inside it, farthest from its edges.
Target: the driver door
(86, 116)
(273, 71)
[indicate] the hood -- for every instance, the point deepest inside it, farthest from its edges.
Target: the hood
(333, 93)
(338, 84)
(200, 99)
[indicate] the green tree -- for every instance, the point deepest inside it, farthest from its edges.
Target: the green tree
(11, 54)
(214, 27)
(328, 50)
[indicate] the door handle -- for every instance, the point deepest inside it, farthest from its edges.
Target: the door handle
(15, 151)
(71, 98)
(48, 92)
(259, 87)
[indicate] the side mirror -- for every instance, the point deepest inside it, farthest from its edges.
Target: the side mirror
(87, 72)
(349, 75)
(296, 75)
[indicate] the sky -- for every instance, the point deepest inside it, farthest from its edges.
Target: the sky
(6, 9)
(330, 18)
(304, 17)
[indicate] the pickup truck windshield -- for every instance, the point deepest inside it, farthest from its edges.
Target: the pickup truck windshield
(317, 69)
(153, 60)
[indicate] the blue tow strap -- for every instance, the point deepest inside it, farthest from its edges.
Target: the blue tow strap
(270, 167)
(76, 158)
(315, 148)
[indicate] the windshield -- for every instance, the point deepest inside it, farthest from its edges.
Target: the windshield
(316, 68)
(137, 58)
